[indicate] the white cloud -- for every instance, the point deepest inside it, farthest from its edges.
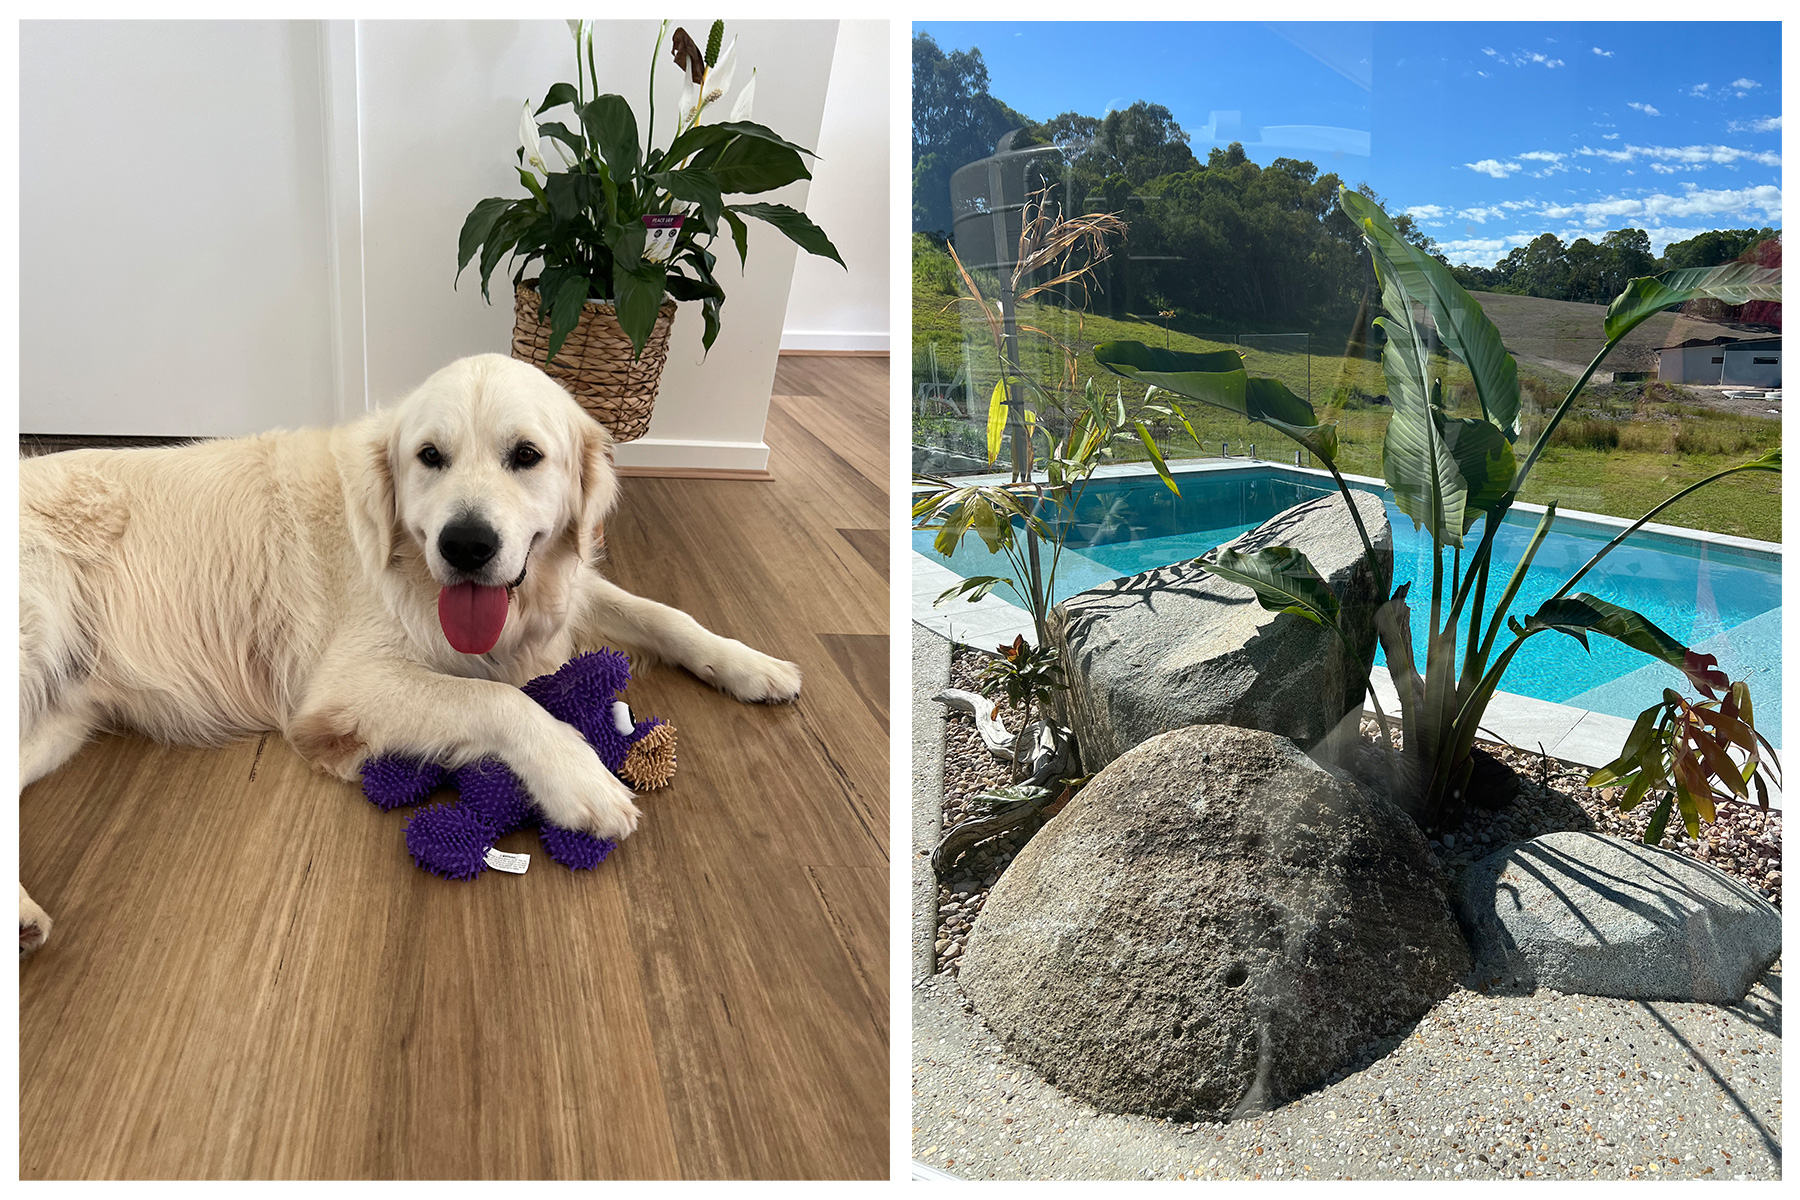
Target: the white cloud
(1745, 84)
(1425, 212)
(1543, 156)
(1646, 109)
(1494, 167)
(1481, 216)
(1611, 137)
(1490, 52)
(1482, 252)
(1762, 202)
(1758, 125)
(1603, 53)
(1522, 58)
(1699, 89)
(1718, 155)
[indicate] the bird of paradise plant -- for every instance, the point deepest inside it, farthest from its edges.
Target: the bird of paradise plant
(1450, 474)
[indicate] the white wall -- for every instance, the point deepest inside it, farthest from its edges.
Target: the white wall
(173, 270)
(831, 308)
(272, 235)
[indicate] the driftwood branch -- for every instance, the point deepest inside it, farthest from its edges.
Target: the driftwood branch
(993, 733)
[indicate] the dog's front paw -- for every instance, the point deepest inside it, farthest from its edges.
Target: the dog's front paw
(752, 676)
(34, 924)
(576, 791)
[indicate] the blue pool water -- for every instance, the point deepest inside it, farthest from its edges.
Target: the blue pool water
(1721, 600)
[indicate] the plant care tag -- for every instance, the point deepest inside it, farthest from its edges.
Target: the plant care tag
(500, 860)
(660, 232)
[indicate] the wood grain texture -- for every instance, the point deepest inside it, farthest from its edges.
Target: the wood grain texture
(250, 979)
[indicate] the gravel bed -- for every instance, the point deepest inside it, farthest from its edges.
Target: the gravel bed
(1744, 842)
(1483, 1087)
(1487, 1085)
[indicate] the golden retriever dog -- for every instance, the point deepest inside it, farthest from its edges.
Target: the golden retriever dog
(382, 587)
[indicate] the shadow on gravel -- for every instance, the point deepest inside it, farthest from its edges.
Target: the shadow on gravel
(1769, 1021)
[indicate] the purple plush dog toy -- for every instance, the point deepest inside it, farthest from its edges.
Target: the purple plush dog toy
(453, 839)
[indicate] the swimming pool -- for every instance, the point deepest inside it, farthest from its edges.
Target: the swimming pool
(1722, 599)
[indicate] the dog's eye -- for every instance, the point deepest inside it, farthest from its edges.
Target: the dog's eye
(526, 455)
(429, 455)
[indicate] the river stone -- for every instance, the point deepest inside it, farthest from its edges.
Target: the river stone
(1212, 926)
(1176, 646)
(1601, 916)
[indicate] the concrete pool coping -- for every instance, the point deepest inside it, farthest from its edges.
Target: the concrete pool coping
(1573, 735)
(1320, 475)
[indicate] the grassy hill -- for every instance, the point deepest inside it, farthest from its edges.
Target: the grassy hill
(1625, 448)
(1563, 335)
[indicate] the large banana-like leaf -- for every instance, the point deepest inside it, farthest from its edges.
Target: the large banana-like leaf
(1582, 613)
(1729, 283)
(1484, 457)
(1218, 378)
(1415, 458)
(1465, 328)
(1282, 578)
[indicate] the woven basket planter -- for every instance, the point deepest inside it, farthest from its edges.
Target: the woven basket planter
(595, 363)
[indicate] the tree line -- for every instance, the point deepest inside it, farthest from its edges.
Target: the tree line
(1226, 239)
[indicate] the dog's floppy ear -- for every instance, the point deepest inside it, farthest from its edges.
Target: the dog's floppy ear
(372, 509)
(597, 486)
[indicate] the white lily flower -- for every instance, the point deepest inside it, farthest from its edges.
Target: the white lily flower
(718, 78)
(575, 30)
(740, 110)
(528, 138)
(690, 103)
(567, 162)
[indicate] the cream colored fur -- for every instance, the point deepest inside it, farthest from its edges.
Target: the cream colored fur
(289, 582)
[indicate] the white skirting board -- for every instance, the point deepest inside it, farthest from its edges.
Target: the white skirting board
(692, 455)
(832, 341)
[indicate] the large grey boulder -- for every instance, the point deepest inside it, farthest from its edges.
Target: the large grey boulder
(1211, 927)
(1176, 646)
(1584, 912)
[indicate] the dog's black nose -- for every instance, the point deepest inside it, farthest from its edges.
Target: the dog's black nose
(467, 544)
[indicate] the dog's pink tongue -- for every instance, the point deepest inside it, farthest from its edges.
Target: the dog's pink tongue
(472, 616)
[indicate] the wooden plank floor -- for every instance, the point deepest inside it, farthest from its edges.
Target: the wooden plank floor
(250, 979)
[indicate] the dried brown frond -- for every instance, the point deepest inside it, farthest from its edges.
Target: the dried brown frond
(987, 311)
(687, 55)
(1070, 246)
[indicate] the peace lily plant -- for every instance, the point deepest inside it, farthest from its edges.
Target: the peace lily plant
(627, 222)
(1452, 474)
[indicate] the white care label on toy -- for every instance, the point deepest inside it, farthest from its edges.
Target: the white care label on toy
(660, 233)
(500, 860)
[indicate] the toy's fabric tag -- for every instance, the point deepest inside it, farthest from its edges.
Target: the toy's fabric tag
(500, 860)
(660, 233)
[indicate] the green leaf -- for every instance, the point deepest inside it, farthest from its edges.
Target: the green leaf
(709, 321)
(1659, 821)
(1582, 613)
(1485, 459)
(636, 297)
(563, 292)
(699, 187)
(996, 420)
(974, 587)
(744, 165)
(1218, 378)
(1282, 578)
(709, 137)
(1635, 744)
(1465, 328)
(559, 93)
(1156, 458)
(565, 135)
(1425, 477)
(476, 227)
(612, 127)
(740, 237)
(796, 225)
(501, 238)
(1729, 283)
(561, 190)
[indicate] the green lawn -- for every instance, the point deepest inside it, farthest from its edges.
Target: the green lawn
(1625, 448)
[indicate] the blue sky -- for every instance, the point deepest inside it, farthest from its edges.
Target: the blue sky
(1488, 133)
